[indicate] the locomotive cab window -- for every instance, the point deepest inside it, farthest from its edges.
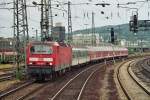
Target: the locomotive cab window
(41, 49)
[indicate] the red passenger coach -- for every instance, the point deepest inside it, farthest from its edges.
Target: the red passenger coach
(44, 58)
(106, 52)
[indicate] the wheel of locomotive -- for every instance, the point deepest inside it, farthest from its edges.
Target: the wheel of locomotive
(64, 71)
(54, 75)
(60, 72)
(68, 69)
(43, 78)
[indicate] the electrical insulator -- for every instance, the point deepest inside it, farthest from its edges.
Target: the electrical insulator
(103, 5)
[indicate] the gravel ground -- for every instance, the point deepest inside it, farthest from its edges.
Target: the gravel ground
(101, 86)
(2, 66)
(108, 89)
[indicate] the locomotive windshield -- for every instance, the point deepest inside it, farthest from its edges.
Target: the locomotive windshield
(41, 49)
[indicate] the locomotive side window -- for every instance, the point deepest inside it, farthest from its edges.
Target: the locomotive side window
(41, 49)
(32, 49)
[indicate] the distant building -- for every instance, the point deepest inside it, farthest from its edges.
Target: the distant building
(58, 32)
(6, 44)
(86, 39)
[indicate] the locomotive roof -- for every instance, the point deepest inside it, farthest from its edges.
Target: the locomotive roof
(107, 48)
(101, 48)
(50, 43)
(81, 49)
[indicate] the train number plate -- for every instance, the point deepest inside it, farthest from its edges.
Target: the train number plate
(40, 59)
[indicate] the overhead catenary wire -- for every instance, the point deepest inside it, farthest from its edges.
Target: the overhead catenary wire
(6, 3)
(141, 5)
(61, 9)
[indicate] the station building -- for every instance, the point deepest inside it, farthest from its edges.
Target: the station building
(58, 32)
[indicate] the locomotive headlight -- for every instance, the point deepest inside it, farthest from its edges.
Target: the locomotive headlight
(50, 64)
(30, 63)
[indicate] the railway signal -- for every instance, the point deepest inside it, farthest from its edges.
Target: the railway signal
(112, 36)
(138, 25)
(133, 24)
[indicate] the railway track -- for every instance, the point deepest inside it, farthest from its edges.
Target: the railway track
(10, 69)
(74, 88)
(24, 91)
(131, 88)
(142, 70)
(19, 92)
(32, 89)
(145, 67)
(6, 76)
(35, 87)
(136, 81)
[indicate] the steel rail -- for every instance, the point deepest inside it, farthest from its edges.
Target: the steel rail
(5, 78)
(70, 82)
(16, 89)
(121, 85)
(81, 92)
(144, 89)
(30, 93)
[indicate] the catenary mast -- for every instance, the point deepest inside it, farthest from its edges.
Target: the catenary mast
(21, 35)
(44, 20)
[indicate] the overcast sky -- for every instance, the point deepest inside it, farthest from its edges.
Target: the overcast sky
(81, 14)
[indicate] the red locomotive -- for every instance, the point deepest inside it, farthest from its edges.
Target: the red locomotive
(44, 59)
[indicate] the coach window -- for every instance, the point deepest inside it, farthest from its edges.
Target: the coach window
(79, 54)
(74, 54)
(50, 50)
(84, 53)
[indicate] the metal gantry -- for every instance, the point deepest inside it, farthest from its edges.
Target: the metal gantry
(50, 16)
(93, 30)
(69, 22)
(21, 35)
(44, 20)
